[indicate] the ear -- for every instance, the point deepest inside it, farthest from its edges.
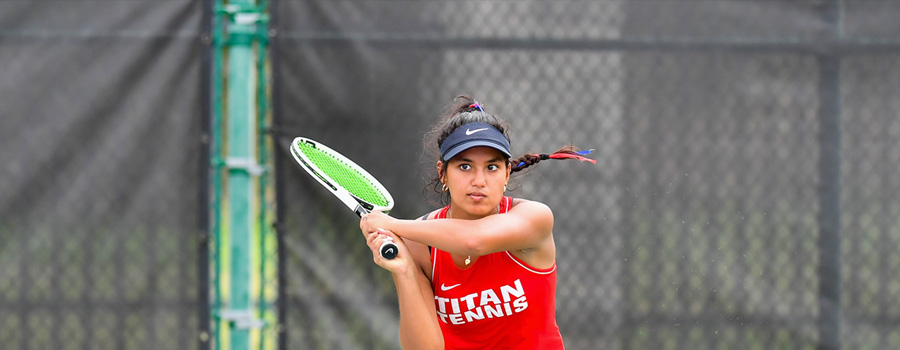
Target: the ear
(440, 169)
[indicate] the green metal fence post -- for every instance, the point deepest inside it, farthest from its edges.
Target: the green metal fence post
(244, 18)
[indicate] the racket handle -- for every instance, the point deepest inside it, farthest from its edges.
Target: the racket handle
(388, 250)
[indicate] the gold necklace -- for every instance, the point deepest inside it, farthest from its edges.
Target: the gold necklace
(450, 216)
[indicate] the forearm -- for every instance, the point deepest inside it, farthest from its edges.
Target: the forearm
(418, 322)
(528, 225)
(455, 236)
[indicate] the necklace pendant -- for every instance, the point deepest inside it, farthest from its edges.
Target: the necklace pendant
(468, 260)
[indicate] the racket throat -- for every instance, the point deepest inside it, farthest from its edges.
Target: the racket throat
(360, 210)
(363, 207)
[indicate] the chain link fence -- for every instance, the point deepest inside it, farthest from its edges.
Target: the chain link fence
(101, 113)
(743, 197)
(744, 192)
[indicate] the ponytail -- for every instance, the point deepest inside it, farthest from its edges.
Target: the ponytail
(567, 152)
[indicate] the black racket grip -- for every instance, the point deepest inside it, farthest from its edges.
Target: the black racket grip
(388, 250)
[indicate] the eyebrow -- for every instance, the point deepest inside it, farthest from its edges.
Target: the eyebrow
(493, 160)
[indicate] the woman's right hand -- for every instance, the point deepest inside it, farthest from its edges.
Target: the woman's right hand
(419, 328)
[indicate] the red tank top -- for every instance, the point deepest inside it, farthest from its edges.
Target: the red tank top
(498, 302)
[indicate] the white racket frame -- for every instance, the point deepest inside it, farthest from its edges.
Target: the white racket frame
(359, 206)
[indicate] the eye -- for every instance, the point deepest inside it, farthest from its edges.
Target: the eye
(493, 167)
(465, 166)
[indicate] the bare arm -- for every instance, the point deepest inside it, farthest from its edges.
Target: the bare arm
(527, 225)
(418, 321)
(419, 328)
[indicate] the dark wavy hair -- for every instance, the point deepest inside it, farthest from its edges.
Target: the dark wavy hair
(464, 110)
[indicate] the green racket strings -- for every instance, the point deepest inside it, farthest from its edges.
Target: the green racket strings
(346, 176)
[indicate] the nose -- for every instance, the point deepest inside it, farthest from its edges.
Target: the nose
(479, 179)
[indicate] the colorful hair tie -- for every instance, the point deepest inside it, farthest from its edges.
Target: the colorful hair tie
(476, 106)
(562, 155)
(577, 155)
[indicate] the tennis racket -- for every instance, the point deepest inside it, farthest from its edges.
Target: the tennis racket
(350, 183)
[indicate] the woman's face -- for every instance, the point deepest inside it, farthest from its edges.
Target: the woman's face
(476, 179)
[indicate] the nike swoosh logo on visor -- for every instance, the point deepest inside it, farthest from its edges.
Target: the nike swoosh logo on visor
(446, 288)
(470, 132)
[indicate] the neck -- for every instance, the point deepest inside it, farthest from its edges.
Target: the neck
(474, 217)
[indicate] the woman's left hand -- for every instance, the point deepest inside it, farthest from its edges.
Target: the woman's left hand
(374, 221)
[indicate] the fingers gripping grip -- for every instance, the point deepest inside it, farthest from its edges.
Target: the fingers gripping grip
(388, 250)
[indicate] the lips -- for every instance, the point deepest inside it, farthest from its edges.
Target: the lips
(477, 196)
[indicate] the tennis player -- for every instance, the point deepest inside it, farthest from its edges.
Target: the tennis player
(479, 273)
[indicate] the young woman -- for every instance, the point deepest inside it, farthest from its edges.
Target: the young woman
(479, 273)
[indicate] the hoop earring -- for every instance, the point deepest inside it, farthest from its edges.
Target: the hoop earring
(444, 187)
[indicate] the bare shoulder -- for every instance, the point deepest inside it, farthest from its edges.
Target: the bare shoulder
(536, 214)
(537, 217)
(532, 208)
